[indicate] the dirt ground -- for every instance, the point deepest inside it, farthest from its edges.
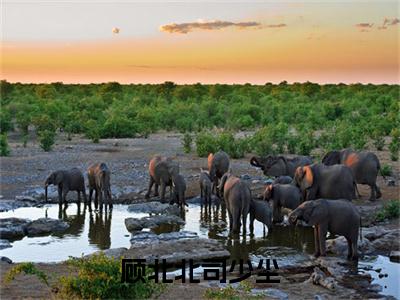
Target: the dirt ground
(27, 168)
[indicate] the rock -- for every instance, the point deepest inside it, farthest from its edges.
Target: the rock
(339, 246)
(391, 182)
(133, 224)
(154, 207)
(319, 278)
(150, 237)
(388, 242)
(5, 259)
(394, 256)
(255, 181)
(176, 250)
(25, 198)
(45, 226)
(6, 205)
(373, 233)
(245, 177)
(11, 228)
(4, 244)
(375, 288)
(270, 293)
(115, 252)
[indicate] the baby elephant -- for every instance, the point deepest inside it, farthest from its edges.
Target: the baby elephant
(237, 197)
(99, 181)
(260, 211)
(67, 180)
(282, 195)
(205, 186)
(336, 216)
(179, 189)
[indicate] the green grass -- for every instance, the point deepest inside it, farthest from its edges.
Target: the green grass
(390, 210)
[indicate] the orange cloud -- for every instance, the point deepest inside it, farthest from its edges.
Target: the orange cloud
(364, 25)
(184, 28)
(276, 25)
(389, 22)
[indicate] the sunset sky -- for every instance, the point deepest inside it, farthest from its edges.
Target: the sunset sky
(200, 41)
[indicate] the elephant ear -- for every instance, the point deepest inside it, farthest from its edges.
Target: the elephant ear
(316, 214)
(209, 161)
(285, 162)
(331, 158)
(268, 193)
(308, 177)
(224, 178)
(58, 177)
(298, 176)
(254, 161)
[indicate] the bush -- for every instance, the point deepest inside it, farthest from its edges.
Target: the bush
(5, 121)
(390, 210)
(306, 143)
(4, 148)
(378, 140)
(99, 277)
(46, 139)
(187, 140)
(262, 142)
(386, 170)
(92, 131)
(394, 145)
(26, 268)
(205, 144)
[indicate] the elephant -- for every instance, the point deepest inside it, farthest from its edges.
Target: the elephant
(282, 195)
(237, 198)
(205, 186)
(339, 217)
(280, 165)
(179, 189)
(260, 211)
(67, 180)
(161, 170)
(99, 181)
(218, 165)
(364, 165)
(283, 180)
(330, 182)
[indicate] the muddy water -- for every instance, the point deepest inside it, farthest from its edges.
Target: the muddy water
(89, 232)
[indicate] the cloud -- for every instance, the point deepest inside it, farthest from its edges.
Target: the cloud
(276, 25)
(364, 25)
(115, 30)
(184, 28)
(389, 22)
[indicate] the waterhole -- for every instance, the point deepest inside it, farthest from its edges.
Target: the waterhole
(92, 231)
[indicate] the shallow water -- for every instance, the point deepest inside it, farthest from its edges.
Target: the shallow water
(94, 231)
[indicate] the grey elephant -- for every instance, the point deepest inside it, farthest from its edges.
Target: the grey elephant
(179, 189)
(330, 182)
(161, 170)
(283, 180)
(67, 180)
(205, 186)
(260, 211)
(280, 165)
(336, 216)
(218, 165)
(237, 196)
(99, 181)
(282, 195)
(364, 165)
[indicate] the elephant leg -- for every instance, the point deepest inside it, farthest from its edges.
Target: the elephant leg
(64, 196)
(149, 189)
(244, 221)
(90, 194)
(79, 197)
(201, 193)
(316, 241)
(235, 220)
(378, 191)
(372, 197)
(230, 220)
(156, 190)
(60, 197)
(163, 187)
(355, 249)
(322, 231)
(349, 248)
(252, 222)
(96, 198)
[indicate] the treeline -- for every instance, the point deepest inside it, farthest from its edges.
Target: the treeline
(335, 115)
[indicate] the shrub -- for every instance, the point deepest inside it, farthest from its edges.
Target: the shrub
(306, 143)
(394, 145)
(26, 268)
(187, 140)
(99, 277)
(378, 140)
(92, 131)
(5, 121)
(25, 140)
(390, 210)
(4, 148)
(46, 139)
(205, 144)
(386, 170)
(262, 142)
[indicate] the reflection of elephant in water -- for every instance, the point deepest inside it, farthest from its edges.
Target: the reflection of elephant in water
(282, 195)
(100, 229)
(99, 182)
(336, 216)
(67, 180)
(161, 170)
(329, 182)
(279, 165)
(364, 165)
(218, 165)
(76, 222)
(237, 197)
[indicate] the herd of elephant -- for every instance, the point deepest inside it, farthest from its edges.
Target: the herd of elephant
(319, 194)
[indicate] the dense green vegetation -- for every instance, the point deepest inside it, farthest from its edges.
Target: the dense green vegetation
(294, 118)
(390, 210)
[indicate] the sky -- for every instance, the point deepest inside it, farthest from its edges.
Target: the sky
(194, 41)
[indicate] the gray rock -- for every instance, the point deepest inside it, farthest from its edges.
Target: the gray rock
(11, 228)
(45, 226)
(154, 207)
(4, 244)
(133, 224)
(391, 182)
(6, 205)
(150, 237)
(6, 259)
(394, 256)
(339, 246)
(270, 292)
(388, 242)
(318, 277)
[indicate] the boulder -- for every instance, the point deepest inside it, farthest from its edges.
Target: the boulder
(388, 242)
(5, 259)
(152, 238)
(394, 256)
(6, 205)
(4, 244)
(339, 246)
(154, 207)
(320, 278)
(133, 224)
(13, 228)
(45, 226)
